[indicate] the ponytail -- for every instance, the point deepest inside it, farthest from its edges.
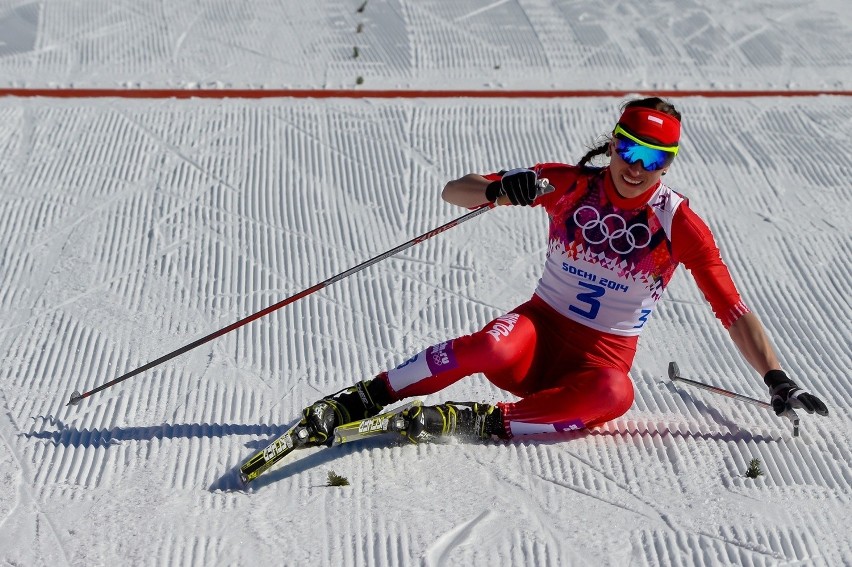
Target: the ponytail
(602, 149)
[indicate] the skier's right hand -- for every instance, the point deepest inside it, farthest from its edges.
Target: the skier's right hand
(786, 394)
(519, 185)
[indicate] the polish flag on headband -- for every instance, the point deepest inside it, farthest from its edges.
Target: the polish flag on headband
(651, 125)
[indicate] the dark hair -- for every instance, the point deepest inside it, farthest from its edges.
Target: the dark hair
(651, 102)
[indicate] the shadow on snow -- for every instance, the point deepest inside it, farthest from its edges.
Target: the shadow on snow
(70, 436)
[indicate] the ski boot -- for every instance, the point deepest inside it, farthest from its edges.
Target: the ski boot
(364, 399)
(463, 419)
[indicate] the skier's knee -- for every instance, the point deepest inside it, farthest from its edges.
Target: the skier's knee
(614, 394)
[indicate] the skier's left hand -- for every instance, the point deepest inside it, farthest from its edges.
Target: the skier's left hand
(786, 394)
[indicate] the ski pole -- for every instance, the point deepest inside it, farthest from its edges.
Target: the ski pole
(790, 413)
(544, 187)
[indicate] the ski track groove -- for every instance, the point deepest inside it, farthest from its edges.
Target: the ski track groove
(439, 552)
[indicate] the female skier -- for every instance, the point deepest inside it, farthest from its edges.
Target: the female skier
(617, 234)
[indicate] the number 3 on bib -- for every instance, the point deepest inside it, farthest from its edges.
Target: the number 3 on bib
(590, 298)
(643, 319)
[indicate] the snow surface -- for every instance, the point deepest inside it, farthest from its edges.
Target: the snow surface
(130, 228)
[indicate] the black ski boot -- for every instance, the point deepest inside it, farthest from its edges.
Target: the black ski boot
(364, 399)
(463, 419)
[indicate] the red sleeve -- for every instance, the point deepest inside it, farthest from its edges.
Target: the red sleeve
(561, 176)
(693, 245)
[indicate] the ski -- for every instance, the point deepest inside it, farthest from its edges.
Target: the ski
(388, 422)
(279, 448)
(294, 438)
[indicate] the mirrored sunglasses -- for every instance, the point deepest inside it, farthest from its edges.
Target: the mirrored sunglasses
(632, 150)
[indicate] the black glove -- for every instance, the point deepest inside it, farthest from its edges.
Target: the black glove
(518, 184)
(785, 393)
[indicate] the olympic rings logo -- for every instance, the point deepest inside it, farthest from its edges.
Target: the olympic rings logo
(622, 239)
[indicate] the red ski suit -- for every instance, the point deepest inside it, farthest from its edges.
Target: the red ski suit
(568, 350)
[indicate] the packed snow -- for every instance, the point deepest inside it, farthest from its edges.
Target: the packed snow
(129, 228)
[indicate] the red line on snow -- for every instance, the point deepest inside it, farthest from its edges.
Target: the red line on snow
(367, 93)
